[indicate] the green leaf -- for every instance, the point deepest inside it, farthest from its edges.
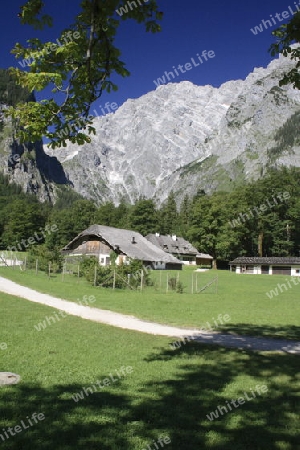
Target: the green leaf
(76, 72)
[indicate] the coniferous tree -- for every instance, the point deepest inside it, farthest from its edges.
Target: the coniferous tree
(169, 223)
(184, 216)
(143, 217)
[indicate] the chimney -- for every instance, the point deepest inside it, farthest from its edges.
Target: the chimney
(133, 241)
(174, 237)
(157, 234)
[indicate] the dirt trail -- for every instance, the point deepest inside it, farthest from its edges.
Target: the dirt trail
(133, 323)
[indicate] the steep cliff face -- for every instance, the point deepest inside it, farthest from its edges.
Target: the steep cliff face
(27, 165)
(182, 137)
(250, 137)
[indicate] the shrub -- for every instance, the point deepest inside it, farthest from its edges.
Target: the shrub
(44, 257)
(126, 275)
(175, 285)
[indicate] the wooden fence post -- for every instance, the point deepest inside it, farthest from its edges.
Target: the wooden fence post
(95, 276)
(114, 280)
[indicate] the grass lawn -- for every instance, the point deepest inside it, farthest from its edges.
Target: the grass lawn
(242, 297)
(168, 393)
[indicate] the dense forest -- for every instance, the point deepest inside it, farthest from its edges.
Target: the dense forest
(258, 218)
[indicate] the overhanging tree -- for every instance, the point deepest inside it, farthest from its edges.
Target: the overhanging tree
(286, 36)
(78, 67)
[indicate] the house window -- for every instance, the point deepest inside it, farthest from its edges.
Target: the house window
(297, 271)
(102, 261)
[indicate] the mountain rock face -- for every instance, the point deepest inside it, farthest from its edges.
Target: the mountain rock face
(183, 137)
(180, 137)
(26, 165)
(30, 167)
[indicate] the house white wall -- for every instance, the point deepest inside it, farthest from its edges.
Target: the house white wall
(124, 259)
(159, 265)
(257, 270)
(295, 271)
(242, 269)
(189, 263)
(104, 259)
(186, 260)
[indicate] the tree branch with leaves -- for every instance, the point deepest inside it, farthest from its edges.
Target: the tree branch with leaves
(288, 36)
(78, 68)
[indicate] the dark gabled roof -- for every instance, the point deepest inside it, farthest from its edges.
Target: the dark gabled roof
(282, 261)
(170, 245)
(204, 256)
(121, 240)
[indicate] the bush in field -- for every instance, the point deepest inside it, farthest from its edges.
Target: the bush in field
(133, 274)
(104, 276)
(172, 283)
(125, 275)
(43, 256)
(179, 287)
(87, 267)
(175, 285)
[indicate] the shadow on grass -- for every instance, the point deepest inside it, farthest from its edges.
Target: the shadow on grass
(95, 422)
(176, 407)
(281, 332)
(268, 421)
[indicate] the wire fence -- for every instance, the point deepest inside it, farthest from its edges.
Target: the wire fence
(161, 281)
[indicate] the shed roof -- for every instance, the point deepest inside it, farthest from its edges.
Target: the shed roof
(129, 242)
(204, 256)
(276, 260)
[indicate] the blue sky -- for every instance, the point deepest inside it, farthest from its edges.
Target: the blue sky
(189, 27)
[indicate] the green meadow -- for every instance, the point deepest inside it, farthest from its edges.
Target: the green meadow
(241, 297)
(169, 394)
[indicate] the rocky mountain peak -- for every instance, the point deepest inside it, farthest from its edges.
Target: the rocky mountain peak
(181, 134)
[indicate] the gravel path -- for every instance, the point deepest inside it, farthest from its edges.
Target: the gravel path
(132, 323)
